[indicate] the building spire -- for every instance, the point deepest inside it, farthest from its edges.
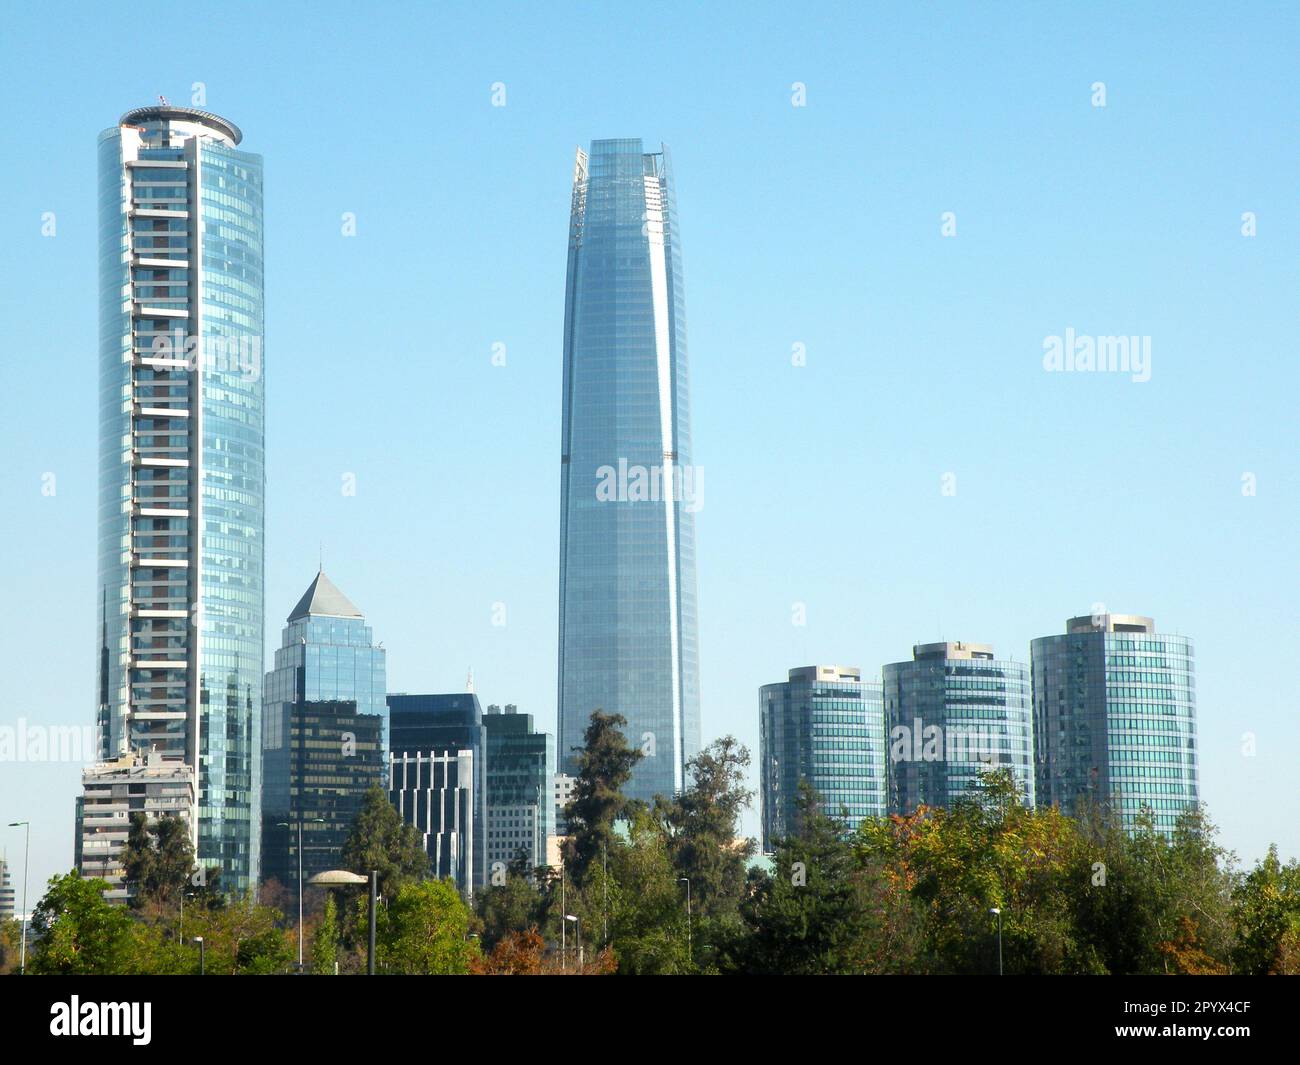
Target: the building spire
(469, 681)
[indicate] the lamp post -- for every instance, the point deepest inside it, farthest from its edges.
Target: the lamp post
(997, 911)
(689, 953)
(22, 951)
(577, 931)
(285, 824)
(343, 878)
(203, 956)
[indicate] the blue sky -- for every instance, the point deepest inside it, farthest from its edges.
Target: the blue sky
(817, 225)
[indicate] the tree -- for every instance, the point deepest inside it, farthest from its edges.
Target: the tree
(524, 954)
(424, 931)
(514, 906)
(158, 860)
(702, 830)
(325, 943)
(605, 764)
(77, 932)
(380, 840)
(1266, 916)
(814, 912)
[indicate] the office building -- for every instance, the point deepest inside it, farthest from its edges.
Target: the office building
(520, 775)
(323, 758)
(628, 639)
(438, 780)
(110, 793)
(1115, 719)
(954, 712)
(323, 742)
(824, 725)
(181, 465)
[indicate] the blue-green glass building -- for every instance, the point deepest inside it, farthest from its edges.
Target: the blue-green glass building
(953, 712)
(328, 653)
(629, 491)
(181, 463)
(1115, 719)
(824, 725)
(324, 743)
(520, 776)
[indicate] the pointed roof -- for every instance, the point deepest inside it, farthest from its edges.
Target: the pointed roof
(322, 597)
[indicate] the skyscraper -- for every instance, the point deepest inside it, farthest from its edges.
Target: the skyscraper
(7, 906)
(520, 788)
(627, 640)
(824, 726)
(315, 779)
(953, 712)
(181, 466)
(438, 780)
(327, 652)
(1115, 718)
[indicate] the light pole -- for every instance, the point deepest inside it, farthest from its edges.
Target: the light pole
(22, 951)
(689, 953)
(342, 878)
(997, 910)
(203, 955)
(285, 824)
(577, 931)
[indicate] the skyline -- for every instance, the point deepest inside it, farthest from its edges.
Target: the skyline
(948, 331)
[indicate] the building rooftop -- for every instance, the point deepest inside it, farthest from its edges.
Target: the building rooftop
(171, 113)
(322, 598)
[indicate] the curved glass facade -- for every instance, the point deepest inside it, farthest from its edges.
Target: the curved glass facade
(181, 464)
(628, 639)
(954, 712)
(1115, 719)
(825, 725)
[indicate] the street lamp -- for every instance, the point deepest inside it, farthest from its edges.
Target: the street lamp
(577, 930)
(997, 910)
(343, 878)
(687, 881)
(22, 952)
(203, 956)
(285, 824)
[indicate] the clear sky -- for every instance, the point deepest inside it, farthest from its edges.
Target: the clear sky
(817, 226)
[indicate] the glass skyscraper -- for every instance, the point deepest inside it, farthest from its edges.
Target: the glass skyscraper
(323, 731)
(327, 652)
(520, 788)
(627, 639)
(825, 725)
(1115, 718)
(954, 711)
(438, 780)
(179, 601)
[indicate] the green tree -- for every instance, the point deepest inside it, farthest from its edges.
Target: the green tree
(1266, 915)
(77, 932)
(702, 830)
(380, 840)
(813, 913)
(325, 943)
(158, 860)
(424, 930)
(605, 764)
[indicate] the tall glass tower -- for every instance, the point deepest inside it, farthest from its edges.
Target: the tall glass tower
(824, 725)
(181, 464)
(1115, 718)
(953, 712)
(323, 732)
(628, 641)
